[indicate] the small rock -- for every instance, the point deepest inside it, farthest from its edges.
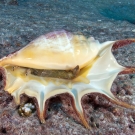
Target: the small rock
(133, 30)
(101, 117)
(26, 110)
(116, 111)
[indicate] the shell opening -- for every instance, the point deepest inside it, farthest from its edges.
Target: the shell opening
(62, 74)
(45, 76)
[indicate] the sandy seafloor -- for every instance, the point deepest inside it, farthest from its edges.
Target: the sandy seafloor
(23, 21)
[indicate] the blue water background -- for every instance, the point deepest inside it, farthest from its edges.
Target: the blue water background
(114, 9)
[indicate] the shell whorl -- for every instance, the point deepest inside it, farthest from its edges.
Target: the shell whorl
(56, 50)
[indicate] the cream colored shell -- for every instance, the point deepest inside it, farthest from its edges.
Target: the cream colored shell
(56, 50)
(62, 50)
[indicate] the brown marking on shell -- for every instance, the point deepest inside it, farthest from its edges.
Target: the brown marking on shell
(128, 70)
(55, 34)
(121, 43)
(81, 116)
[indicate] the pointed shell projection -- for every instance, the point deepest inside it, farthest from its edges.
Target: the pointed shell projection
(62, 62)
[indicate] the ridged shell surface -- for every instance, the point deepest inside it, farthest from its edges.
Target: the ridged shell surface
(56, 50)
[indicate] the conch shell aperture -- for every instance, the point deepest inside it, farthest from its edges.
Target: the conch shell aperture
(61, 62)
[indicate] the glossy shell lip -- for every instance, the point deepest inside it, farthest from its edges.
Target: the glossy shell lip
(96, 75)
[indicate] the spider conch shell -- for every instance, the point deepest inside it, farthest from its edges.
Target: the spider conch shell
(61, 50)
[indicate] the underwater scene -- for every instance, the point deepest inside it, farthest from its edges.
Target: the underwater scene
(67, 67)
